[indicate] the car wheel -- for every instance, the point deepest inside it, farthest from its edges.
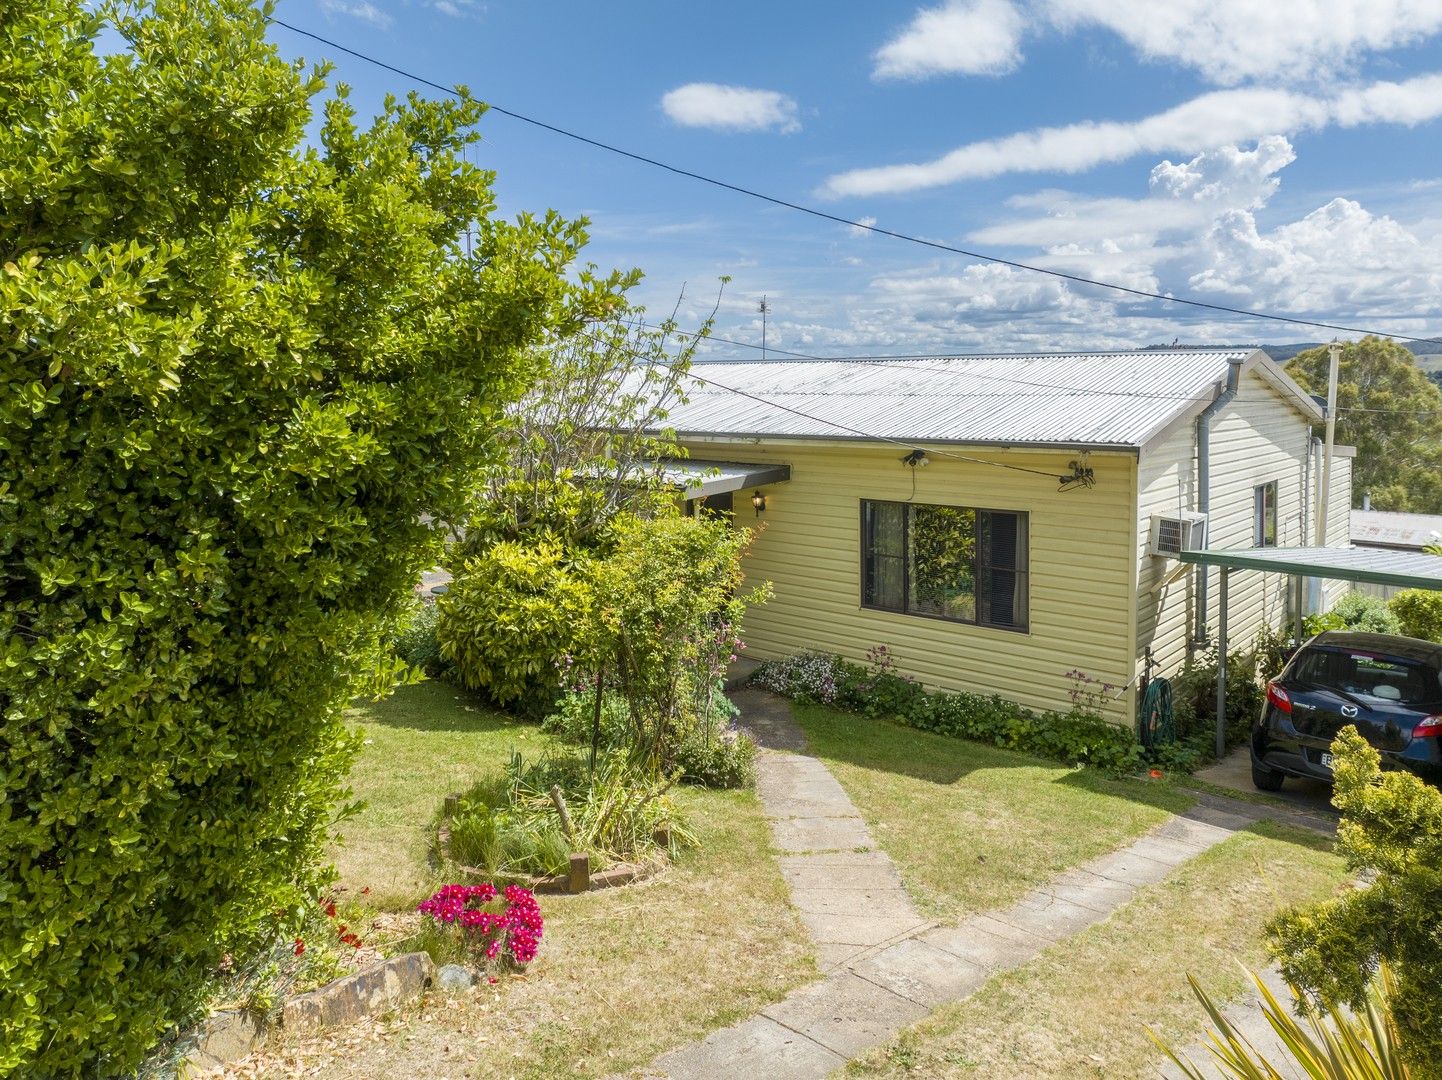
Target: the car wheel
(1265, 779)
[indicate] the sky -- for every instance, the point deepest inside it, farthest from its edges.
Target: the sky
(1277, 155)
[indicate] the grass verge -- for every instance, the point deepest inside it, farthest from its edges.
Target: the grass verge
(623, 974)
(972, 827)
(1081, 1008)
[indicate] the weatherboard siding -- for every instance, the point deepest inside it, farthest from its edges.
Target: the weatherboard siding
(1082, 566)
(1256, 438)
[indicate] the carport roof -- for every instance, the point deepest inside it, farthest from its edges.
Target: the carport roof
(1407, 569)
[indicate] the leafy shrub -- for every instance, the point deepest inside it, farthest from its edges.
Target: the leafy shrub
(244, 357)
(575, 714)
(1194, 698)
(510, 615)
(1076, 737)
(716, 760)
(1391, 835)
(710, 754)
(1419, 613)
(1356, 611)
(415, 641)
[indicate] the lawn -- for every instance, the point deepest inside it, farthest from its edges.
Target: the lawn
(622, 975)
(972, 827)
(1081, 1008)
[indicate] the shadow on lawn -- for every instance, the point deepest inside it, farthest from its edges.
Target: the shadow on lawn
(437, 706)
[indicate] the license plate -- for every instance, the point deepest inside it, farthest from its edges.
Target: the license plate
(1326, 761)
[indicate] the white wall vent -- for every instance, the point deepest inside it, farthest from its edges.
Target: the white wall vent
(1171, 536)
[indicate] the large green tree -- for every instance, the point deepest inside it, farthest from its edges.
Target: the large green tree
(237, 374)
(1392, 413)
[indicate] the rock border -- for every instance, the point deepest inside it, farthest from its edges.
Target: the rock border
(382, 987)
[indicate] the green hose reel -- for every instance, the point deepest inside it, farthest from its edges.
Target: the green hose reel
(1157, 725)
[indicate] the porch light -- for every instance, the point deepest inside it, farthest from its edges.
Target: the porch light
(758, 500)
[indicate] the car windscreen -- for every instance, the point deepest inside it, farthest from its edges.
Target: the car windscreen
(1374, 675)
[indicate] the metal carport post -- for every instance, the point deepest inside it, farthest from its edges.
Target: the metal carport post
(1405, 569)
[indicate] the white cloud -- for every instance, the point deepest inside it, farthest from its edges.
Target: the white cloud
(1213, 119)
(1340, 257)
(731, 108)
(862, 229)
(1231, 41)
(1204, 226)
(971, 37)
(357, 9)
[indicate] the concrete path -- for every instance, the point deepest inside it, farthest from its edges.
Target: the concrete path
(845, 888)
(886, 967)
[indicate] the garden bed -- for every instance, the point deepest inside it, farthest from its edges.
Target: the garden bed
(711, 940)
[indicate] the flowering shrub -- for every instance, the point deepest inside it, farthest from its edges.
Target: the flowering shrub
(517, 929)
(879, 691)
(807, 676)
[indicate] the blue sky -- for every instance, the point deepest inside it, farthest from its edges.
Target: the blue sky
(1272, 154)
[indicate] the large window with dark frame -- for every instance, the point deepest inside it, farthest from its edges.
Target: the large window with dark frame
(946, 562)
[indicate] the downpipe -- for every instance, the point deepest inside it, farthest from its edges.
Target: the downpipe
(1225, 394)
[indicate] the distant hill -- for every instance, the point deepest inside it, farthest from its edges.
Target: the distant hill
(1429, 354)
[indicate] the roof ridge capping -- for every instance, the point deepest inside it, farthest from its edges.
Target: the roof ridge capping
(1122, 399)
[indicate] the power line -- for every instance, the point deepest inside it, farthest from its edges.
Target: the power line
(838, 219)
(690, 373)
(890, 363)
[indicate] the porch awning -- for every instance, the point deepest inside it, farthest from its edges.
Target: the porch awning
(702, 478)
(1407, 569)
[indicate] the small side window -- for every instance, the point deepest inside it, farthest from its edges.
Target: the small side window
(1264, 515)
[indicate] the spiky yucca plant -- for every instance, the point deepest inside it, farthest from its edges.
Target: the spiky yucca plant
(1325, 1043)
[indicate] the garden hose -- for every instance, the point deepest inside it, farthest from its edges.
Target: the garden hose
(1157, 726)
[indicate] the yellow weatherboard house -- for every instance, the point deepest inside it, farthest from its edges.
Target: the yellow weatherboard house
(1000, 521)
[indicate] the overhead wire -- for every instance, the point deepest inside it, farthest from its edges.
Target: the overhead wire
(910, 360)
(838, 219)
(690, 373)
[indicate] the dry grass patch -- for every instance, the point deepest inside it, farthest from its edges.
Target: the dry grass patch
(1081, 1008)
(972, 827)
(623, 974)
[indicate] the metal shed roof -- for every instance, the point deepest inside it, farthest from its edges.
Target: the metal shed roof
(1408, 569)
(1102, 400)
(1385, 528)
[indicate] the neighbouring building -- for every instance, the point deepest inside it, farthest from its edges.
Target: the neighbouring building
(999, 521)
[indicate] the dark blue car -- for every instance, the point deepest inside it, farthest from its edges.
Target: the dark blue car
(1389, 688)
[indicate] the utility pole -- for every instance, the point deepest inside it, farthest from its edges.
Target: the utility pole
(765, 310)
(1335, 351)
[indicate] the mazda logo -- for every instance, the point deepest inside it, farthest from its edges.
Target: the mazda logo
(1349, 710)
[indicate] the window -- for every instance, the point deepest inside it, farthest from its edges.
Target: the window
(948, 562)
(1264, 515)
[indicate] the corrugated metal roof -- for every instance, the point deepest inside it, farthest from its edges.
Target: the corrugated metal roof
(1386, 528)
(1409, 569)
(1115, 399)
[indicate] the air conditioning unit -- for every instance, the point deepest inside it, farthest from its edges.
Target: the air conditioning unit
(1173, 535)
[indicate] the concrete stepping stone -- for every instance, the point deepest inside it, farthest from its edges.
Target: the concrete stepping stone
(845, 1014)
(921, 972)
(757, 1047)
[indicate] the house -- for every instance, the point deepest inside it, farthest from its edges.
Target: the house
(999, 521)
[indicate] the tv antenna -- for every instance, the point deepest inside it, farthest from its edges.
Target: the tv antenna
(765, 310)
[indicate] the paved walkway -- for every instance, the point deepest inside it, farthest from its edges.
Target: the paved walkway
(887, 968)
